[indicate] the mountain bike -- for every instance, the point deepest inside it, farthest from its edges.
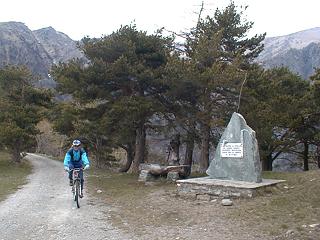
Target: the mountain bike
(76, 186)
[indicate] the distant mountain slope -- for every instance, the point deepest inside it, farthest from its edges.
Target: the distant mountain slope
(302, 61)
(20, 47)
(298, 51)
(38, 49)
(58, 45)
(42, 48)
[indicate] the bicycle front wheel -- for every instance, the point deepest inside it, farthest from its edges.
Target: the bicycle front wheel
(77, 193)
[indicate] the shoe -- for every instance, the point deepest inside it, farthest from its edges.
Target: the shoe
(81, 195)
(71, 183)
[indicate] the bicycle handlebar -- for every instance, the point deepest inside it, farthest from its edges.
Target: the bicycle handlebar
(75, 169)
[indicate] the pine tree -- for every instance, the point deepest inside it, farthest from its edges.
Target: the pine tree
(124, 78)
(277, 104)
(21, 108)
(220, 52)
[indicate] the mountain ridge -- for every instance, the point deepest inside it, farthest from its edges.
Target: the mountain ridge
(20, 47)
(293, 51)
(38, 49)
(62, 49)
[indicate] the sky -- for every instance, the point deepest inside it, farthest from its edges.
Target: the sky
(95, 18)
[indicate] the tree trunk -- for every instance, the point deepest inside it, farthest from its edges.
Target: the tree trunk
(98, 155)
(204, 154)
(267, 163)
(16, 158)
(318, 155)
(98, 158)
(174, 156)
(130, 155)
(139, 149)
(188, 158)
(306, 156)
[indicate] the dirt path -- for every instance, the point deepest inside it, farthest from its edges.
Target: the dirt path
(43, 209)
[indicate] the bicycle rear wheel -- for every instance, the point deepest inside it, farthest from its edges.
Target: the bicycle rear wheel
(77, 192)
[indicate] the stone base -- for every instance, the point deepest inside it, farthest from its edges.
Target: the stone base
(172, 176)
(145, 176)
(195, 188)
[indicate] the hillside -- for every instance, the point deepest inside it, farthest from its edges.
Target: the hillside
(38, 50)
(42, 48)
(301, 61)
(19, 46)
(58, 45)
(298, 51)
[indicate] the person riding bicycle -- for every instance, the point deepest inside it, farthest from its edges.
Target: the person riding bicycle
(76, 157)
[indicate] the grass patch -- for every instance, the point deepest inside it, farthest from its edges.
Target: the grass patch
(131, 198)
(122, 187)
(291, 205)
(141, 208)
(12, 176)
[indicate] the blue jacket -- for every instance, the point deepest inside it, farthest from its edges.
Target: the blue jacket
(76, 157)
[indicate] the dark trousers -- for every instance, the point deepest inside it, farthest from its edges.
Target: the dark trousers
(71, 167)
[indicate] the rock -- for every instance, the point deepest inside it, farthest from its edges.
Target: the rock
(172, 176)
(289, 232)
(237, 154)
(145, 176)
(314, 225)
(204, 197)
(226, 202)
(99, 191)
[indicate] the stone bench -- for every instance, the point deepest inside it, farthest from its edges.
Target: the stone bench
(150, 172)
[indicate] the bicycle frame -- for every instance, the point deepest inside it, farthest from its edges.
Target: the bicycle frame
(76, 186)
(76, 174)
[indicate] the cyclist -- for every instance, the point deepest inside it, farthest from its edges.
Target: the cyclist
(76, 157)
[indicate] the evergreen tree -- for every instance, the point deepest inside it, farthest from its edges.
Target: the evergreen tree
(125, 75)
(276, 104)
(180, 104)
(220, 52)
(21, 108)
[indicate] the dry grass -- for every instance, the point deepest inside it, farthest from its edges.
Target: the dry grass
(129, 197)
(293, 205)
(146, 210)
(12, 176)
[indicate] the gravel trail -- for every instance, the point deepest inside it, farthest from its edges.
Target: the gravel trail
(44, 209)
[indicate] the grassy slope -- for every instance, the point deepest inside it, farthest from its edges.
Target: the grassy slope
(293, 205)
(12, 176)
(129, 196)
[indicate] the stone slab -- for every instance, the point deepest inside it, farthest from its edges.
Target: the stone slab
(223, 188)
(237, 153)
(230, 183)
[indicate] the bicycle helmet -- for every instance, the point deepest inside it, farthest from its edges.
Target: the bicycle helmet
(76, 143)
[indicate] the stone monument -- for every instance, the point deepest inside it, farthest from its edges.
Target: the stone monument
(237, 154)
(235, 170)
